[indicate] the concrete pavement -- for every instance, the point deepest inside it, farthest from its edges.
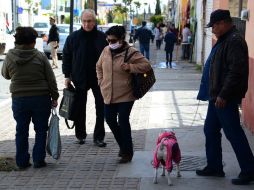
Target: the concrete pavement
(170, 104)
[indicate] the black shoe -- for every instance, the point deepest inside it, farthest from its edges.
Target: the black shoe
(209, 172)
(80, 141)
(25, 166)
(243, 179)
(120, 154)
(125, 159)
(99, 143)
(40, 164)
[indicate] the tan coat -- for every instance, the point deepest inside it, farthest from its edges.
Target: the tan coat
(114, 82)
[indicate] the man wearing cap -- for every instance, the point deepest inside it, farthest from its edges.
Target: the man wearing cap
(53, 41)
(224, 84)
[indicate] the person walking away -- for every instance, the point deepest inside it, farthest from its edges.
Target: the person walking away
(34, 90)
(186, 34)
(114, 78)
(170, 40)
(80, 54)
(144, 35)
(224, 84)
(53, 41)
(158, 35)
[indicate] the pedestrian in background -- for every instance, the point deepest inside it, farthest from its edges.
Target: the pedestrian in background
(224, 84)
(170, 40)
(144, 35)
(114, 78)
(158, 35)
(186, 35)
(81, 51)
(53, 41)
(34, 91)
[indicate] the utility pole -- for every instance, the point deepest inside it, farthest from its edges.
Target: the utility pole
(14, 15)
(71, 15)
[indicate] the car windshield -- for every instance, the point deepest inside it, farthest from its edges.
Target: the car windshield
(65, 29)
(40, 25)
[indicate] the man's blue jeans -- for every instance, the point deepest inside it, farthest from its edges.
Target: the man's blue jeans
(144, 49)
(117, 118)
(228, 119)
(25, 109)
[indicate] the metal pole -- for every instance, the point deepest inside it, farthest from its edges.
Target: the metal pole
(95, 6)
(71, 16)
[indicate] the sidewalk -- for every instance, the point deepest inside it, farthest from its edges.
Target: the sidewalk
(171, 104)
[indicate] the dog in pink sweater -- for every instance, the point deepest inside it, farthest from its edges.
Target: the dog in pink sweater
(167, 151)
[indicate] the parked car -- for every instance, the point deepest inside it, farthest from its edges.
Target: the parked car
(63, 30)
(42, 28)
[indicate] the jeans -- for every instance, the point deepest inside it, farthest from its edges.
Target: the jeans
(169, 55)
(80, 124)
(186, 51)
(228, 119)
(117, 117)
(25, 109)
(144, 49)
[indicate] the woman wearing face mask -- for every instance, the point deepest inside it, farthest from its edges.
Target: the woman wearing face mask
(114, 78)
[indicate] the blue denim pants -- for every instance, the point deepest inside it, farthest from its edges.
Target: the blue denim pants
(144, 49)
(228, 119)
(117, 118)
(25, 109)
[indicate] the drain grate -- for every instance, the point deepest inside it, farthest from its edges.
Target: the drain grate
(191, 163)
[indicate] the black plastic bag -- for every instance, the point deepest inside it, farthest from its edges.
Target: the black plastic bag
(68, 106)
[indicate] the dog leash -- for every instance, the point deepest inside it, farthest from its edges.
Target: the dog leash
(195, 115)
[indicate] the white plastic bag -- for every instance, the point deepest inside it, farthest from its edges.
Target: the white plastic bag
(53, 146)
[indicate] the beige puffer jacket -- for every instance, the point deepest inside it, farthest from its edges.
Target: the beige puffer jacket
(114, 82)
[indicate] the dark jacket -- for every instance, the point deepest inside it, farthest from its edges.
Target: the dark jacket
(229, 68)
(170, 40)
(30, 73)
(53, 34)
(144, 35)
(80, 54)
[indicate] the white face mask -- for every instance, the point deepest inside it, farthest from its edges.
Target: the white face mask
(115, 45)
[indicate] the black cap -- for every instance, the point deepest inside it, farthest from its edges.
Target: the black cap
(218, 15)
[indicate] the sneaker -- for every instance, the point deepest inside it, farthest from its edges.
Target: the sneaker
(40, 164)
(99, 143)
(243, 179)
(209, 172)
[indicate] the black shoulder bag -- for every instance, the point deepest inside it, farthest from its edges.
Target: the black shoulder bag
(141, 82)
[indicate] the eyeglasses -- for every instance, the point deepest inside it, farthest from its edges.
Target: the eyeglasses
(112, 41)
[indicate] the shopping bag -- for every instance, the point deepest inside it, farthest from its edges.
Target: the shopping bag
(53, 146)
(141, 82)
(68, 106)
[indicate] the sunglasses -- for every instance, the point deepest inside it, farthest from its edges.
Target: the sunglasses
(112, 41)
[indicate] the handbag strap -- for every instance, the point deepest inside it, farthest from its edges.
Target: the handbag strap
(67, 124)
(126, 59)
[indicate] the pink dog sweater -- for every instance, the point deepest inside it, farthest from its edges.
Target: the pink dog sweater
(170, 140)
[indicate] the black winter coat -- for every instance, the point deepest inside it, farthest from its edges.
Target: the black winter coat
(53, 34)
(229, 68)
(80, 54)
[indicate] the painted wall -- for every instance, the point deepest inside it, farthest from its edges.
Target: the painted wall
(218, 4)
(199, 32)
(248, 102)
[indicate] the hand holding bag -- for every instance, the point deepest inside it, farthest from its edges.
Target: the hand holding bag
(141, 82)
(68, 108)
(53, 146)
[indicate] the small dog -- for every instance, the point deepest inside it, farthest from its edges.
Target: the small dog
(167, 150)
